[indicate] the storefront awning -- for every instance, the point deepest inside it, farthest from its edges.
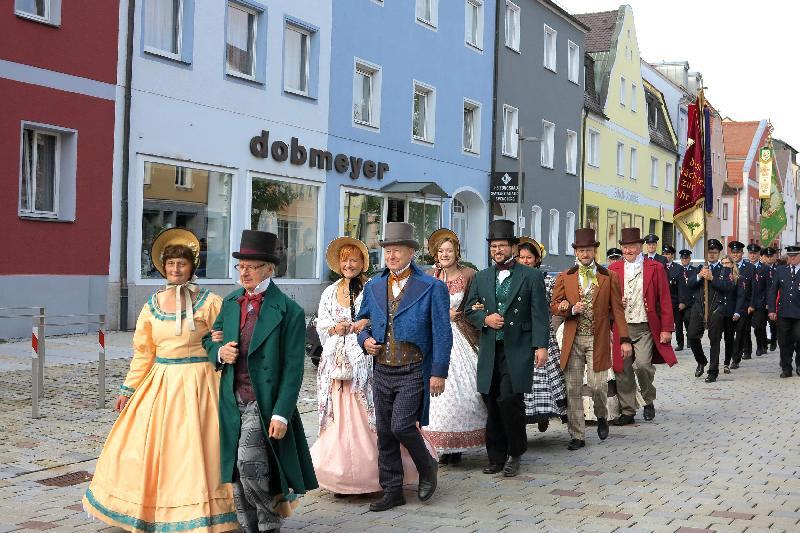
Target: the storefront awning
(422, 188)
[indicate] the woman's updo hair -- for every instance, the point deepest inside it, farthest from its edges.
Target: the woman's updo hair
(179, 251)
(456, 248)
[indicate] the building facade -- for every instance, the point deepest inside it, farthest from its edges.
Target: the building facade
(539, 93)
(56, 149)
(785, 158)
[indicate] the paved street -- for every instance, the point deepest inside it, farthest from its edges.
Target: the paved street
(719, 457)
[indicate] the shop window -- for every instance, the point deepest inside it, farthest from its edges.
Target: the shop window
(593, 218)
(48, 168)
(612, 227)
(426, 219)
(203, 208)
(290, 210)
(363, 220)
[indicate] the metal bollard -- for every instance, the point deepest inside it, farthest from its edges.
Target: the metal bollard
(35, 373)
(41, 336)
(101, 366)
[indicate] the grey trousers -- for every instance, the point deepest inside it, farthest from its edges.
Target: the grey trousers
(254, 507)
(639, 367)
(580, 360)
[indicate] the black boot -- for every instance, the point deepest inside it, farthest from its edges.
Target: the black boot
(389, 500)
(602, 428)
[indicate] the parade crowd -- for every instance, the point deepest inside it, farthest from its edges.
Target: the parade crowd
(417, 366)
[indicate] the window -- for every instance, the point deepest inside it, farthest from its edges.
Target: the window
(366, 94)
(638, 222)
(634, 164)
(47, 11)
(652, 113)
(593, 218)
(363, 220)
(510, 125)
(204, 208)
(48, 170)
(547, 143)
(653, 227)
(634, 96)
(625, 220)
(570, 234)
(594, 148)
(424, 112)
(472, 127)
(473, 23)
(668, 234)
(572, 152)
(573, 61)
(162, 33)
(296, 59)
(512, 25)
(669, 176)
(622, 91)
(288, 209)
(550, 36)
(553, 232)
(620, 159)
(612, 218)
(426, 12)
(536, 223)
(682, 126)
(241, 41)
(654, 172)
(426, 218)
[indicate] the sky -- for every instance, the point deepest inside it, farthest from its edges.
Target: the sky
(745, 52)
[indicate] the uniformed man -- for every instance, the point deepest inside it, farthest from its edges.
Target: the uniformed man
(783, 304)
(674, 273)
(743, 344)
(758, 302)
(685, 297)
(770, 258)
(720, 311)
(613, 255)
(650, 245)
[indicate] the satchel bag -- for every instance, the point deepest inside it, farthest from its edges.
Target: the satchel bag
(342, 370)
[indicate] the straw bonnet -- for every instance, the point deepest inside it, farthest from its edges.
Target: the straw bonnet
(332, 253)
(539, 247)
(173, 236)
(437, 238)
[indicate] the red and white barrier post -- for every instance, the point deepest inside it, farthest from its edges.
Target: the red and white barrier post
(35, 372)
(101, 366)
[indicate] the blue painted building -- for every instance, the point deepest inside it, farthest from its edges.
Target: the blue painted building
(411, 108)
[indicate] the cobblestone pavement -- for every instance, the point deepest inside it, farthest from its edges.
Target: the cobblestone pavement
(718, 457)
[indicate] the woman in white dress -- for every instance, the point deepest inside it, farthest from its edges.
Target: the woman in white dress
(457, 420)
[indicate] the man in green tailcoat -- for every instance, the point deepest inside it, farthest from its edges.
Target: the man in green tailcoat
(507, 304)
(263, 448)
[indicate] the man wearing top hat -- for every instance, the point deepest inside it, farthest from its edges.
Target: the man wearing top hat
(261, 356)
(613, 255)
(514, 328)
(720, 310)
(650, 249)
(588, 296)
(646, 298)
(685, 298)
(743, 345)
(674, 274)
(783, 305)
(410, 338)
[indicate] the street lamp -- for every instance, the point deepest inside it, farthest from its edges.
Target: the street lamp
(520, 140)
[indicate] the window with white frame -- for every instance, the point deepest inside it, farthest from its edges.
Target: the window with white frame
(634, 96)
(162, 31)
(682, 126)
(620, 159)
(548, 143)
(573, 61)
(424, 110)
(550, 40)
(622, 91)
(183, 178)
(554, 221)
(654, 172)
(473, 23)
(669, 177)
(363, 220)
(366, 94)
(296, 63)
(536, 223)
(426, 12)
(572, 152)
(512, 25)
(471, 127)
(40, 172)
(634, 164)
(570, 234)
(594, 148)
(241, 41)
(510, 125)
(47, 11)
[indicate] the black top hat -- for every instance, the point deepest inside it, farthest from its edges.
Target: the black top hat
(631, 236)
(753, 247)
(667, 249)
(651, 237)
(685, 253)
(735, 246)
(714, 244)
(502, 230)
(258, 245)
(792, 249)
(613, 252)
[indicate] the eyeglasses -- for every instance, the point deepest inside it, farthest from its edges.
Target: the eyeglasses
(248, 268)
(499, 246)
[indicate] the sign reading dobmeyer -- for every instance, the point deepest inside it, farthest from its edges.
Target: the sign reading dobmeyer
(504, 187)
(297, 154)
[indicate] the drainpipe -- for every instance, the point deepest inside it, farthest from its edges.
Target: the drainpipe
(494, 102)
(126, 147)
(583, 168)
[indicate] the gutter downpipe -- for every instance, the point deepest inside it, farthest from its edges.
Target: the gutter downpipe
(583, 169)
(126, 147)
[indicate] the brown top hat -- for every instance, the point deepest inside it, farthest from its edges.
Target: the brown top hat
(173, 236)
(585, 238)
(400, 233)
(437, 238)
(258, 245)
(332, 253)
(537, 245)
(630, 236)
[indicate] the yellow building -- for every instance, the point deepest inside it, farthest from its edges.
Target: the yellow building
(630, 152)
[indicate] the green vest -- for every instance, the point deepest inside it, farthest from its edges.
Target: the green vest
(502, 291)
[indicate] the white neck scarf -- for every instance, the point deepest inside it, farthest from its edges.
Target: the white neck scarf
(188, 288)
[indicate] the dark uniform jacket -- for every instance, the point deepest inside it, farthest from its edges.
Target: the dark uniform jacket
(658, 257)
(720, 290)
(760, 285)
(686, 296)
(744, 287)
(785, 287)
(674, 275)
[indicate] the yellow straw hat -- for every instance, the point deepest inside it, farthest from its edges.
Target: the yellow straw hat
(173, 236)
(539, 247)
(436, 239)
(332, 253)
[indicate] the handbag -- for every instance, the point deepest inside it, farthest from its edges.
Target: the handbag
(342, 370)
